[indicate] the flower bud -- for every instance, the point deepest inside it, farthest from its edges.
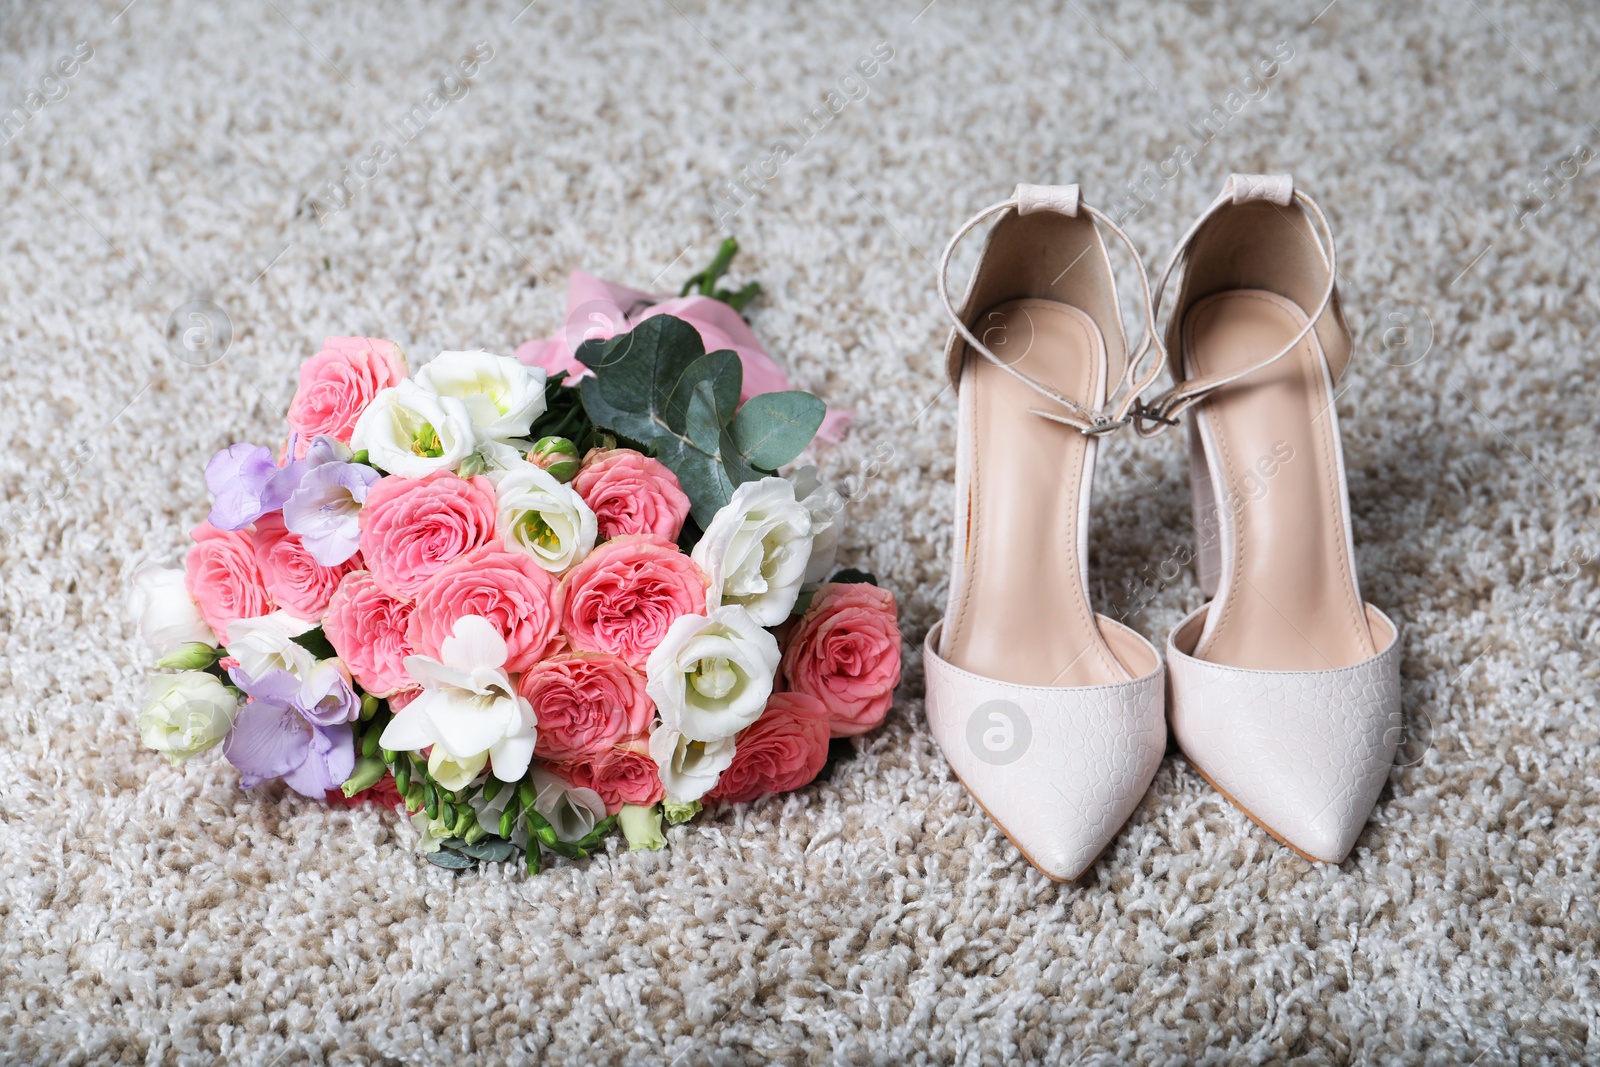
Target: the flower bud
(642, 827)
(186, 714)
(557, 455)
(677, 813)
(367, 773)
(194, 656)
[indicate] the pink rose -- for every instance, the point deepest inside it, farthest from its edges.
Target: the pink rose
(338, 383)
(367, 627)
(222, 577)
(622, 774)
(509, 589)
(411, 527)
(586, 702)
(297, 582)
(846, 653)
(630, 493)
(622, 597)
(783, 750)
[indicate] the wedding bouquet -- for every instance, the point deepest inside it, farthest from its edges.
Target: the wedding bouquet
(527, 599)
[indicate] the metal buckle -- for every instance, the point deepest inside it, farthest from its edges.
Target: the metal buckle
(1105, 427)
(1143, 413)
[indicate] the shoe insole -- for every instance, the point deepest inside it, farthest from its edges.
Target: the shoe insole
(1023, 614)
(1289, 600)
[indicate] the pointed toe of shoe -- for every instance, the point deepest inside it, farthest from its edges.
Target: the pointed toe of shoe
(1303, 753)
(1060, 770)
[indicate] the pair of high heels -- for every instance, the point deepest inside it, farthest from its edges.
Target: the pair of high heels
(1283, 691)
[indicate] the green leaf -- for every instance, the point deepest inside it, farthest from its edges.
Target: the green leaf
(658, 386)
(851, 576)
(489, 849)
(316, 642)
(450, 859)
(773, 428)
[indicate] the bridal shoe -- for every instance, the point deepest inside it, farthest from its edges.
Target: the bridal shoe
(1285, 688)
(1050, 715)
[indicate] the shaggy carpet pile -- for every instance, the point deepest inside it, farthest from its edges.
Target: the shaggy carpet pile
(273, 172)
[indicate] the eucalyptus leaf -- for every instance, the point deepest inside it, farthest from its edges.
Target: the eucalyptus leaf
(658, 386)
(450, 859)
(488, 849)
(773, 428)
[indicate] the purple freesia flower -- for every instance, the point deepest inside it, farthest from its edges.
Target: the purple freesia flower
(325, 509)
(243, 480)
(294, 729)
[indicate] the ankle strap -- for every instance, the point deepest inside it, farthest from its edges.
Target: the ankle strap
(1238, 189)
(1064, 199)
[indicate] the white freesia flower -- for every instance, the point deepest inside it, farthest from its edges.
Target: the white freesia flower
(688, 768)
(267, 644)
(826, 508)
(468, 706)
(502, 397)
(186, 713)
(539, 515)
(167, 615)
(432, 832)
(411, 431)
(712, 674)
(756, 549)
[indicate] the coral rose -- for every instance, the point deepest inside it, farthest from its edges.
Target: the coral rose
(221, 575)
(623, 774)
(783, 750)
(626, 593)
(367, 627)
(296, 581)
(519, 598)
(846, 653)
(585, 702)
(411, 527)
(338, 383)
(630, 493)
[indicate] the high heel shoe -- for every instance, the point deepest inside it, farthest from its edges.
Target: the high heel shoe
(1050, 715)
(1285, 688)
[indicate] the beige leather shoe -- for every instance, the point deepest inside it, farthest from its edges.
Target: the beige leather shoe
(1285, 688)
(1050, 714)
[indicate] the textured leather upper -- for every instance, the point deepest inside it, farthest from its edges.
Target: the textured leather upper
(1059, 198)
(1060, 769)
(1276, 188)
(1305, 753)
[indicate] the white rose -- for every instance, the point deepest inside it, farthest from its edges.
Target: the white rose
(266, 643)
(502, 397)
(826, 508)
(186, 713)
(167, 615)
(410, 431)
(712, 674)
(539, 515)
(756, 549)
(688, 768)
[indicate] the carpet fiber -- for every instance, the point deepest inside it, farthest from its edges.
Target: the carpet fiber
(229, 154)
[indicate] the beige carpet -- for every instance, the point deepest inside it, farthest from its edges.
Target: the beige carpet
(153, 915)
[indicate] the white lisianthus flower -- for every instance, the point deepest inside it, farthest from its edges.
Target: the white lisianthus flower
(502, 397)
(572, 811)
(186, 713)
(689, 768)
(539, 515)
(826, 508)
(267, 644)
(411, 431)
(468, 707)
(756, 549)
(167, 615)
(711, 675)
